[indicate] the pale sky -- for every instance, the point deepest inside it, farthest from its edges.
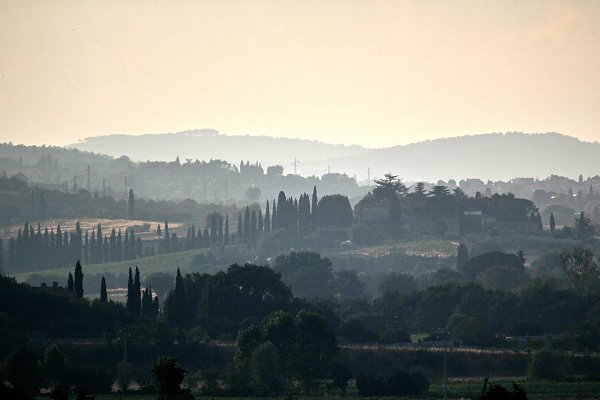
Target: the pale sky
(375, 73)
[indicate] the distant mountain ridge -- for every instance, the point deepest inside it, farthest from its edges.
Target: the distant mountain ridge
(494, 156)
(205, 144)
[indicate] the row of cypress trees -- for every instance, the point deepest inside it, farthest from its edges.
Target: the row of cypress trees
(42, 249)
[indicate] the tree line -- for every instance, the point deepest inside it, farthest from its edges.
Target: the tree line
(39, 249)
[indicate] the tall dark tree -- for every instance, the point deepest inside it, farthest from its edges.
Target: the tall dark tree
(552, 223)
(247, 222)
(130, 298)
(78, 281)
(314, 212)
(70, 286)
(226, 234)
(240, 227)
(462, 255)
(137, 292)
(253, 224)
(131, 205)
(167, 239)
(267, 220)
(103, 293)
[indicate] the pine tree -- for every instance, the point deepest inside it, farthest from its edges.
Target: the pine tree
(78, 281)
(131, 205)
(103, 294)
(70, 286)
(552, 223)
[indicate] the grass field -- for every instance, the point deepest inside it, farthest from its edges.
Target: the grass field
(158, 263)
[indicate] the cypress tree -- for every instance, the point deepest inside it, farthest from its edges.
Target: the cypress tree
(103, 294)
(86, 249)
(130, 297)
(99, 250)
(213, 228)
(253, 224)
(206, 238)
(260, 222)
(78, 281)
(167, 246)
(315, 209)
(70, 286)
(119, 254)
(226, 234)
(155, 307)
(274, 222)
(247, 222)
(137, 289)
(113, 245)
(132, 245)
(158, 233)
(240, 227)
(282, 211)
(462, 255)
(552, 223)
(131, 205)
(126, 247)
(179, 311)
(219, 219)
(267, 221)
(193, 238)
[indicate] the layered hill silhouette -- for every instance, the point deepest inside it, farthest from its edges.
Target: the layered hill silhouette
(495, 156)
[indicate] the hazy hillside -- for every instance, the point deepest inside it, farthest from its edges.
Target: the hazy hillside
(205, 144)
(494, 156)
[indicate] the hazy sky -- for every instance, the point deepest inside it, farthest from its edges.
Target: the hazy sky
(376, 73)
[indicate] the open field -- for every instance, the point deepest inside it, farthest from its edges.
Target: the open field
(158, 263)
(143, 228)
